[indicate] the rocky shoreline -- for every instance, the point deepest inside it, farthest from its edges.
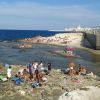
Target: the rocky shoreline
(58, 86)
(57, 83)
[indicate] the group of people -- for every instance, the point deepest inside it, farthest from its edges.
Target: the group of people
(80, 71)
(32, 72)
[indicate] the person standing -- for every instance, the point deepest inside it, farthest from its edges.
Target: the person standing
(36, 73)
(40, 66)
(9, 71)
(30, 68)
(72, 65)
(35, 65)
(49, 66)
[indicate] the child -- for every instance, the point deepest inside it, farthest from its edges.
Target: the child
(9, 71)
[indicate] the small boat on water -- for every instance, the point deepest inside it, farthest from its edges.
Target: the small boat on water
(68, 52)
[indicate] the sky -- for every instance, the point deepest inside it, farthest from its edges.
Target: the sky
(48, 14)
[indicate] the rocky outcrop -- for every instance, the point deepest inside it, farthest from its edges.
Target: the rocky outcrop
(57, 83)
(86, 93)
(71, 39)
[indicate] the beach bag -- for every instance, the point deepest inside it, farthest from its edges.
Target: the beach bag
(34, 85)
(4, 79)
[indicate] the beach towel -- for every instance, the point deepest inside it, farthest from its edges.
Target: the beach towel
(14, 78)
(19, 81)
(1, 77)
(4, 79)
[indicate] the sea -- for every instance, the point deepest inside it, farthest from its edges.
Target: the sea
(8, 35)
(41, 52)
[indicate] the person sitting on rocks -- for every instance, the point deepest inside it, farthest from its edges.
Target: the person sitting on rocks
(47, 69)
(25, 71)
(40, 75)
(83, 72)
(19, 75)
(25, 75)
(79, 69)
(31, 77)
(72, 71)
(20, 71)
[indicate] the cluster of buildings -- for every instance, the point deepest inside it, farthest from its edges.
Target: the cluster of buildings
(79, 28)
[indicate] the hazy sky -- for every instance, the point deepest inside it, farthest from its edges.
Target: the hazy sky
(48, 14)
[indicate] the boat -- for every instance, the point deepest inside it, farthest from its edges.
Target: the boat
(68, 52)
